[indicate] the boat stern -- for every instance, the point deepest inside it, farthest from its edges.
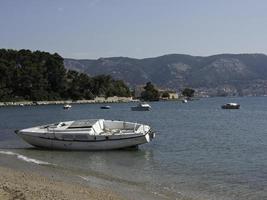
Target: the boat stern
(150, 135)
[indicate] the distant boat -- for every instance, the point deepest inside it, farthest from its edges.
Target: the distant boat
(67, 106)
(184, 101)
(105, 107)
(141, 107)
(231, 106)
(89, 134)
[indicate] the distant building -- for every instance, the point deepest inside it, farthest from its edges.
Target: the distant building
(168, 94)
(173, 95)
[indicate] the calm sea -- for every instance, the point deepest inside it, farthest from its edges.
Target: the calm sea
(200, 151)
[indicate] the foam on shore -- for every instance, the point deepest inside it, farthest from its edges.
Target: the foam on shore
(25, 158)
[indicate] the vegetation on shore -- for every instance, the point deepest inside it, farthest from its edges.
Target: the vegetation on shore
(150, 93)
(40, 76)
(188, 92)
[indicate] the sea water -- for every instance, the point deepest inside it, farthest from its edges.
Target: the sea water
(200, 151)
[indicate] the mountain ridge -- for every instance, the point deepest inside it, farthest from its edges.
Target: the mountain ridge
(220, 74)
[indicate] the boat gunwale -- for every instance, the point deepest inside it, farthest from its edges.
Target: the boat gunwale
(106, 138)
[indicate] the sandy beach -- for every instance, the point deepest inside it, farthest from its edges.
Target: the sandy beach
(22, 185)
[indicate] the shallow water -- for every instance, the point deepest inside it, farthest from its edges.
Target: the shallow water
(200, 151)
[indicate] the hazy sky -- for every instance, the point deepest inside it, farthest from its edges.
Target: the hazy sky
(134, 28)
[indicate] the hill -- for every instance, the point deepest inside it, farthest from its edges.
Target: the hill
(224, 74)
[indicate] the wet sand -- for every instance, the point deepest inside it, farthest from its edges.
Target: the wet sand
(22, 185)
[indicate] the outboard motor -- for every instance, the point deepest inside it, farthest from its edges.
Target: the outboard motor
(151, 134)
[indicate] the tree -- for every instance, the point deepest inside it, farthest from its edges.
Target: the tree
(188, 92)
(27, 75)
(165, 95)
(150, 93)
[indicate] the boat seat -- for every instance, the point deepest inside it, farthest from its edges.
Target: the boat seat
(114, 131)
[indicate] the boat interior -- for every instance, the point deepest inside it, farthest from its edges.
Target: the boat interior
(96, 127)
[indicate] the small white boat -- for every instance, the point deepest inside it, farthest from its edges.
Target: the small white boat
(105, 107)
(91, 134)
(184, 101)
(231, 106)
(141, 107)
(67, 106)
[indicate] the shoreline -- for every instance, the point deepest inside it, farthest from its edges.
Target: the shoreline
(26, 179)
(97, 100)
(62, 102)
(20, 184)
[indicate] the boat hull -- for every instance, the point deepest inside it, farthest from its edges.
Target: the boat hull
(103, 144)
(230, 107)
(105, 107)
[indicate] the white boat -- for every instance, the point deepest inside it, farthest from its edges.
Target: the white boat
(67, 106)
(105, 107)
(184, 101)
(231, 106)
(91, 134)
(141, 107)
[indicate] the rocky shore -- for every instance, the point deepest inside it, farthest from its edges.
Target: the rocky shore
(96, 100)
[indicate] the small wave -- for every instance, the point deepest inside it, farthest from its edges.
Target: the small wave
(25, 158)
(7, 152)
(84, 178)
